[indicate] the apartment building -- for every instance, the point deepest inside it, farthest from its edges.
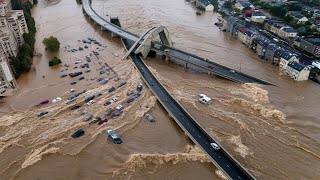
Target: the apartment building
(7, 81)
(17, 23)
(8, 42)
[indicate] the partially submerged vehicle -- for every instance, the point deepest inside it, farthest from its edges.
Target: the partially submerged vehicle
(74, 107)
(43, 102)
(139, 87)
(42, 114)
(114, 137)
(55, 100)
(78, 133)
(204, 99)
(149, 118)
(88, 118)
(95, 121)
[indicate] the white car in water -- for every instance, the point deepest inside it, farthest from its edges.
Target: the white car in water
(114, 100)
(204, 99)
(55, 100)
(119, 107)
(90, 103)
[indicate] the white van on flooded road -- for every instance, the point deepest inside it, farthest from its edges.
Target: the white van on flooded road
(204, 99)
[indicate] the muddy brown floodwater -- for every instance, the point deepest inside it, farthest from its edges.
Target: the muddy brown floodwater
(272, 130)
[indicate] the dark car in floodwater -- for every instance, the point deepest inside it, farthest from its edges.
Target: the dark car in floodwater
(78, 133)
(74, 107)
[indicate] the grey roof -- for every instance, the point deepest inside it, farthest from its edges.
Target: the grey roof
(289, 30)
(313, 40)
(245, 3)
(297, 66)
(205, 2)
(287, 55)
(258, 14)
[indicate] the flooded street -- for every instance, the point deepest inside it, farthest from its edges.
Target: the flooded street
(273, 131)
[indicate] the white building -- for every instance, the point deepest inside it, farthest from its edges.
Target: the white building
(297, 71)
(7, 80)
(258, 17)
(8, 42)
(246, 36)
(207, 6)
(287, 32)
(285, 59)
(243, 4)
(17, 23)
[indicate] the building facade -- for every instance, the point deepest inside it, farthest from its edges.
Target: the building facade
(7, 80)
(285, 59)
(311, 45)
(246, 36)
(258, 17)
(297, 71)
(8, 42)
(17, 23)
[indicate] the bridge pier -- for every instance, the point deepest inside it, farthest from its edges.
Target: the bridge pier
(144, 47)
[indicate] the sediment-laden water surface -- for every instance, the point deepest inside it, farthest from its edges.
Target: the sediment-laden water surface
(272, 130)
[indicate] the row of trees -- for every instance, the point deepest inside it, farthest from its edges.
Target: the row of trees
(23, 61)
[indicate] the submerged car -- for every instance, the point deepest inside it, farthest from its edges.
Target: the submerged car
(104, 82)
(87, 118)
(90, 103)
(83, 113)
(114, 137)
(73, 82)
(74, 107)
(122, 84)
(114, 100)
(116, 114)
(119, 107)
(204, 99)
(149, 118)
(139, 87)
(111, 89)
(43, 114)
(55, 100)
(130, 100)
(107, 103)
(137, 95)
(78, 133)
(108, 111)
(95, 121)
(100, 79)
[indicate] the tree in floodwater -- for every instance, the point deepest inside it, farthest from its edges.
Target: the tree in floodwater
(54, 61)
(52, 44)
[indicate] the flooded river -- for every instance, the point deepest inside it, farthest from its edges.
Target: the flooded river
(273, 131)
